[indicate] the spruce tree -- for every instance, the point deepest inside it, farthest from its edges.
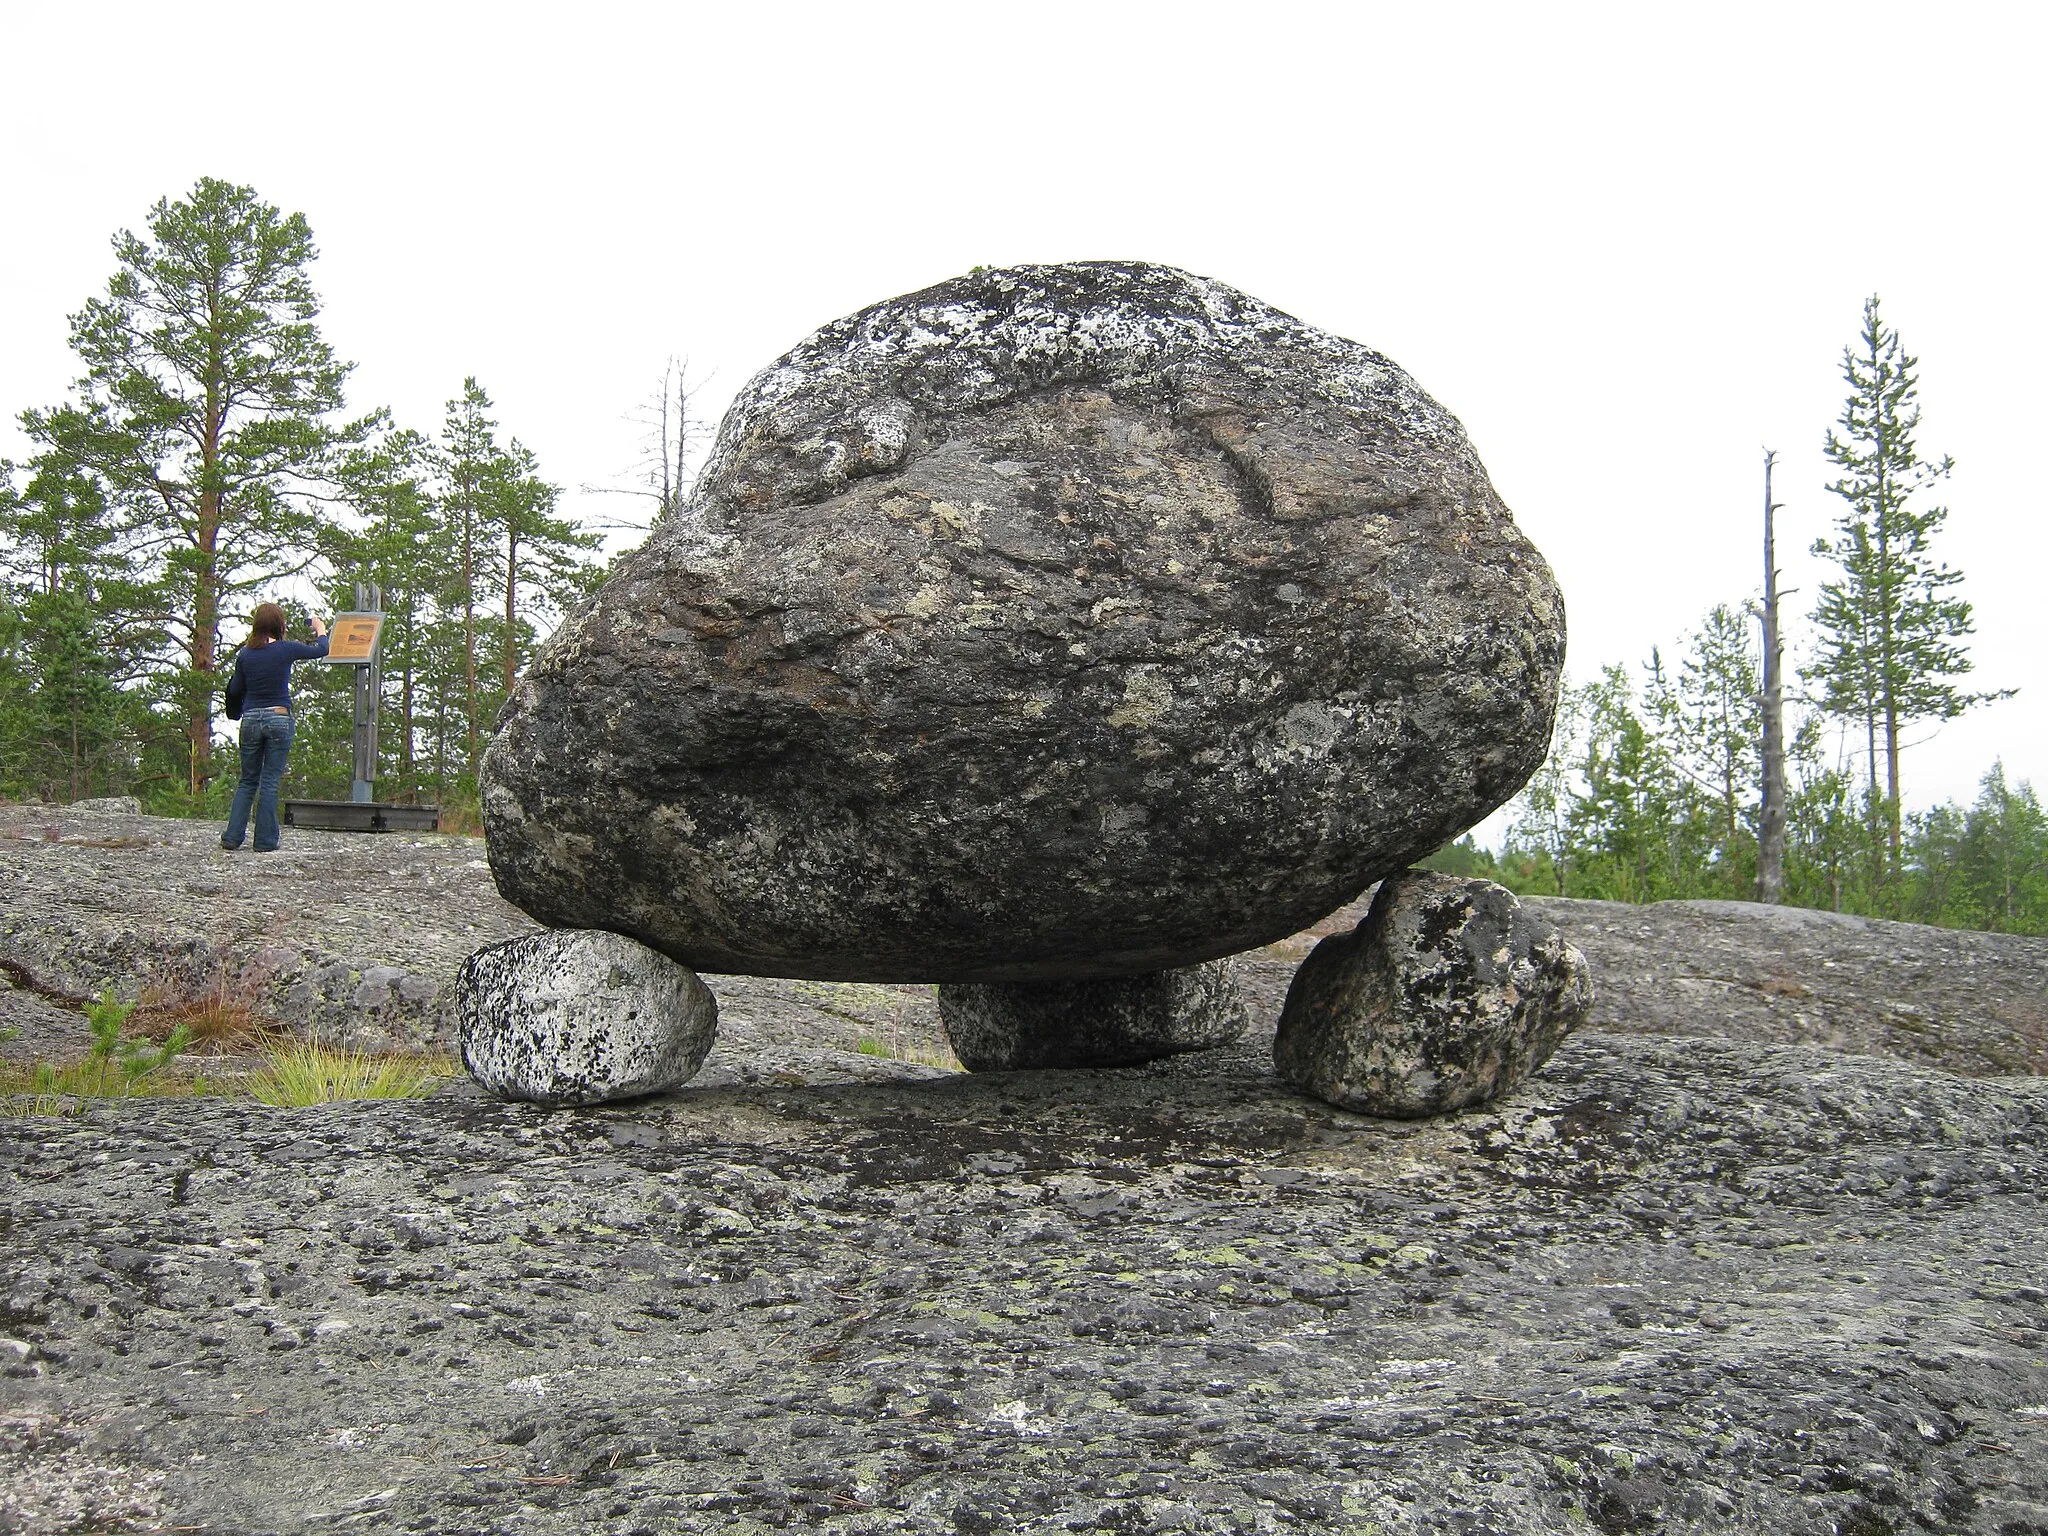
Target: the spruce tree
(78, 616)
(1891, 625)
(1628, 828)
(1714, 722)
(2001, 865)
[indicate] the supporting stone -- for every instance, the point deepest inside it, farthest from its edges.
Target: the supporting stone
(580, 1016)
(1119, 1022)
(1450, 992)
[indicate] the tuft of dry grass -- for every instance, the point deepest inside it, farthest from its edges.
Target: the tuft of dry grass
(462, 818)
(297, 1073)
(226, 1017)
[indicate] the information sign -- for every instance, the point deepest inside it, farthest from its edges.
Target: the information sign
(354, 638)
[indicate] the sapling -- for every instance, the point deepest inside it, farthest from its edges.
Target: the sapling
(115, 1063)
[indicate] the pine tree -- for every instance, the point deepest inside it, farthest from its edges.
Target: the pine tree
(542, 555)
(205, 405)
(471, 465)
(1890, 625)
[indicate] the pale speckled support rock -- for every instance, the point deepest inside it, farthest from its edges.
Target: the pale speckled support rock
(1450, 992)
(581, 1017)
(1118, 1022)
(1054, 622)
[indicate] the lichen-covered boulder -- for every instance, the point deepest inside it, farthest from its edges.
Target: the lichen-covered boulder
(1055, 622)
(581, 1017)
(1450, 992)
(1115, 1022)
(107, 805)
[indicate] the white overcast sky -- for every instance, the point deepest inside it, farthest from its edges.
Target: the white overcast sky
(1624, 244)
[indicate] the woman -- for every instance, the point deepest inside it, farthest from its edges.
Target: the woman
(264, 668)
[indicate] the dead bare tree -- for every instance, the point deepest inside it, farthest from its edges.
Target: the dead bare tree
(1770, 857)
(663, 474)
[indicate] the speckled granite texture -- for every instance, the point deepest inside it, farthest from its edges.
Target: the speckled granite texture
(1665, 1286)
(1051, 623)
(581, 1017)
(1449, 992)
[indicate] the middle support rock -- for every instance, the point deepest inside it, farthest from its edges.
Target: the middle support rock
(1119, 1022)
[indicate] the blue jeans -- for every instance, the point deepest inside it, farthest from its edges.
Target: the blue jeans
(266, 743)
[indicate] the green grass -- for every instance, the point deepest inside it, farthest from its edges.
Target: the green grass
(297, 1073)
(66, 1088)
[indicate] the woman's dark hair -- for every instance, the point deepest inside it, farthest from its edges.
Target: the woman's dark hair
(266, 624)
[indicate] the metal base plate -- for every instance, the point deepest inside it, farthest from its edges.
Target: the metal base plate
(361, 816)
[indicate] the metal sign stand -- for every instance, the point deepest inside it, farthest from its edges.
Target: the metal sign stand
(369, 685)
(354, 644)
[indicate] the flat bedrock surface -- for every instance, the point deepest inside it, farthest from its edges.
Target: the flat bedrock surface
(1666, 1285)
(1723, 1286)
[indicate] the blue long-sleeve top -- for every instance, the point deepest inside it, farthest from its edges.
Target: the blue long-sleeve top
(267, 671)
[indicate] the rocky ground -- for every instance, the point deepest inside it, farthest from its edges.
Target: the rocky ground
(1672, 1284)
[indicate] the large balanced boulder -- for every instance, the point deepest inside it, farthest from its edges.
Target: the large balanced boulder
(581, 1017)
(1449, 993)
(1054, 622)
(1118, 1021)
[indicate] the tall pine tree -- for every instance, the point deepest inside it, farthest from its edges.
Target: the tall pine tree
(1891, 624)
(205, 408)
(471, 471)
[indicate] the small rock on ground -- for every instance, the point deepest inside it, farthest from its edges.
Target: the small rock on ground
(581, 1017)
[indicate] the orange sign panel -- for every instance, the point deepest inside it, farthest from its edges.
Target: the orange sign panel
(354, 637)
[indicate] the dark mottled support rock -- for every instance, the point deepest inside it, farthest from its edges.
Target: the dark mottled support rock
(1056, 622)
(1006, 1026)
(581, 1017)
(1450, 991)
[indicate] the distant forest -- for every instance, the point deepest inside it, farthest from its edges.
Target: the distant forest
(206, 460)
(1718, 777)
